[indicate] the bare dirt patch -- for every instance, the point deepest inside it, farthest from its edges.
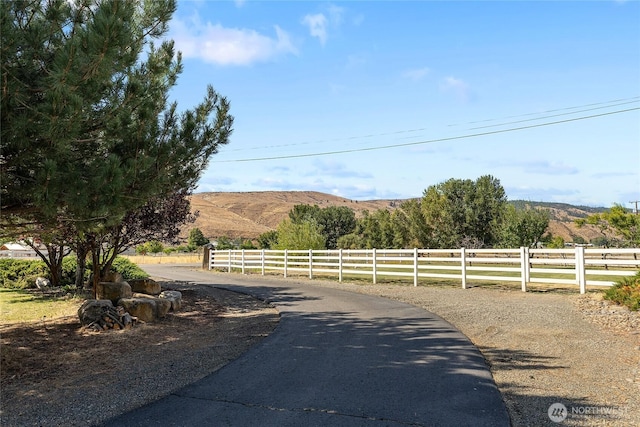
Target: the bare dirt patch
(56, 373)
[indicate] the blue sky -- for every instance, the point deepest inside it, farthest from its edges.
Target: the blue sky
(381, 99)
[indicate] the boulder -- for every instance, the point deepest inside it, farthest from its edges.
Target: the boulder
(162, 307)
(93, 309)
(145, 286)
(113, 291)
(42, 282)
(146, 307)
(113, 276)
(142, 308)
(174, 297)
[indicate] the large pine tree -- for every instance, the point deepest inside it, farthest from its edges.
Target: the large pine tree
(87, 130)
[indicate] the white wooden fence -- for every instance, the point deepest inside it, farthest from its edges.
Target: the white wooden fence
(576, 266)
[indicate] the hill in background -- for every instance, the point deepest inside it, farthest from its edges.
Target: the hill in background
(249, 214)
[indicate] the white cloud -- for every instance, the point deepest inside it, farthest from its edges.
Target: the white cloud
(457, 86)
(416, 74)
(239, 3)
(320, 23)
(317, 26)
(228, 46)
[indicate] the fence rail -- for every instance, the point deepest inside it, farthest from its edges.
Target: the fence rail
(578, 266)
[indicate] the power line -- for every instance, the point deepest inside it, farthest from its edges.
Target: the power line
(554, 115)
(607, 104)
(382, 147)
(623, 100)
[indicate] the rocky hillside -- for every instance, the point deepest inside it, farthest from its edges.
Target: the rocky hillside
(247, 215)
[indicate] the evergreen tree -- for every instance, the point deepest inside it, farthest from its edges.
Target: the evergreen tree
(268, 239)
(88, 133)
(196, 239)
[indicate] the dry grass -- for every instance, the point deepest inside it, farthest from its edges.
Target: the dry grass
(249, 214)
(164, 259)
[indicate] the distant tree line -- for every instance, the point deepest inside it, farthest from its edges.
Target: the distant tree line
(454, 213)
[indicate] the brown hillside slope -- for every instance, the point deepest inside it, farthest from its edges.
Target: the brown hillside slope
(249, 214)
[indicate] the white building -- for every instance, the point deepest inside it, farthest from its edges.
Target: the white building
(18, 250)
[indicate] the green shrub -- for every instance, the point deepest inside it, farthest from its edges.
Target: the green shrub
(69, 265)
(21, 273)
(626, 292)
(128, 269)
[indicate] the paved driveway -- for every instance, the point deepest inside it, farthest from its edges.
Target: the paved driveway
(336, 359)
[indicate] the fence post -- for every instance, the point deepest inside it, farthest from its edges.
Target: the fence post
(415, 266)
(310, 263)
(527, 257)
(375, 266)
(242, 259)
(286, 260)
(463, 267)
(580, 269)
(262, 261)
(229, 259)
(340, 265)
(524, 267)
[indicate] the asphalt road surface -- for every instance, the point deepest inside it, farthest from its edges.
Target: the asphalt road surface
(336, 358)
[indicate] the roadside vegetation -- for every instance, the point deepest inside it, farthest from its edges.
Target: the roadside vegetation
(626, 292)
(22, 274)
(22, 301)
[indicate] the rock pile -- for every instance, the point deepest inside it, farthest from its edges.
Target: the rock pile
(100, 315)
(608, 314)
(120, 304)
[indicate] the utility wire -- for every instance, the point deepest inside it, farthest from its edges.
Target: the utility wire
(632, 99)
(554, 115)
(607, 104)
(382, 147)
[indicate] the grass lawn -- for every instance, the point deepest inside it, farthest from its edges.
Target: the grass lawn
(17, 305)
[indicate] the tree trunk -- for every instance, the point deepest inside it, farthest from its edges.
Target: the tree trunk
(53, 260)
(56, 255)
(94, 247)
(81, 266)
